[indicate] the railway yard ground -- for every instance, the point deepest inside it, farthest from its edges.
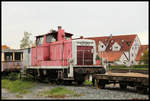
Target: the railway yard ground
(73, 91)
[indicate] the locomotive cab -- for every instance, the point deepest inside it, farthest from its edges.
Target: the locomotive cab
(58, 56)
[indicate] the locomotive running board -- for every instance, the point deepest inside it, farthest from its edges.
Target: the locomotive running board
(87, 66)
(61, 67)
(47, 67)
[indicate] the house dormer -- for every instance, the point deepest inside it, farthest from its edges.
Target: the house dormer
(116, 47)
(101, 46)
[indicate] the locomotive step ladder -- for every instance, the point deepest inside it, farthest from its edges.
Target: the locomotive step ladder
(23, 73)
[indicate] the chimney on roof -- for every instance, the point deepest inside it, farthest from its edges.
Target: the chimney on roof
(61, 34)
(59, 27)
(81, 37)
(110, 35)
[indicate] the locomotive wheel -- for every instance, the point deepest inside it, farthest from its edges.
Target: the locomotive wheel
(59, 82)
(67, 82)
(101, 84)
(141, 90)
(80, 82)
(123, 85)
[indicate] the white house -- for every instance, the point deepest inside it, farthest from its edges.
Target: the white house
(121, 49)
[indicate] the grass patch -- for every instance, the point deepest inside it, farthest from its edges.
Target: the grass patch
(3, 98)
(19, 96)
(17, 86)
(58, 92)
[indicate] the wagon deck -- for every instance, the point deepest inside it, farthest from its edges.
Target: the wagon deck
(138, 80)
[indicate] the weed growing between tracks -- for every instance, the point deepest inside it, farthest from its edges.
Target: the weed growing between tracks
(18, 86)
(58, 92)
(86, 82)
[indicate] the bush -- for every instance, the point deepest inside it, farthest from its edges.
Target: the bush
(86, 82)
(137, 67)
(118, 67)
(13, 76)
(140, 66)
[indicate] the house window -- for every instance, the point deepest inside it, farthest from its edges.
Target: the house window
(102, 46)
(132, 47)
(116, 47)
(122, 40)
(132, 54)
(124, 62)
(132, 62)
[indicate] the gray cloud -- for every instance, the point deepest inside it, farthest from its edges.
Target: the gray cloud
(87, 19)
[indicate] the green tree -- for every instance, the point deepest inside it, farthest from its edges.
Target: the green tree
(145, 57)
(26, 42)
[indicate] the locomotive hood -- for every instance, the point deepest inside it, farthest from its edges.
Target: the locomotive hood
(85, 44)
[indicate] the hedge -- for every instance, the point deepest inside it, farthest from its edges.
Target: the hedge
(126, 67)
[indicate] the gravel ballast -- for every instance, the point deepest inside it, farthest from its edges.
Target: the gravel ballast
(87, 92)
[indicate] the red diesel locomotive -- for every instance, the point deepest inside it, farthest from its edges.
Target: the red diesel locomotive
(58, 57)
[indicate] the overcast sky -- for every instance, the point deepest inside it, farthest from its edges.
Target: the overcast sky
(79, 18)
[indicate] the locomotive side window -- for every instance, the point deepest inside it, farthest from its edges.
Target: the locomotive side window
(40, 40)
(67, 38)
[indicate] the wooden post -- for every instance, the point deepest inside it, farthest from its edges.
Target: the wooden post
(21, 57)
(13, 56)
(97, 84)
(3, 57)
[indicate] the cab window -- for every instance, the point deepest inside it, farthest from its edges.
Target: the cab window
(40, 40)
(50, 38)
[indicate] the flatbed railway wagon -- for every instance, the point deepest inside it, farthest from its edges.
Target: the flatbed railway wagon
(58, 57)
(137, 80)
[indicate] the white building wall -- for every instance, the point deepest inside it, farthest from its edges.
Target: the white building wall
(134, 50)
(132, 54)
(123, 59)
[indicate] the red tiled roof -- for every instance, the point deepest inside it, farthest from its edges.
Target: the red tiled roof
(124, 45)
(5, 47)
(111, 55)
(140, 51)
